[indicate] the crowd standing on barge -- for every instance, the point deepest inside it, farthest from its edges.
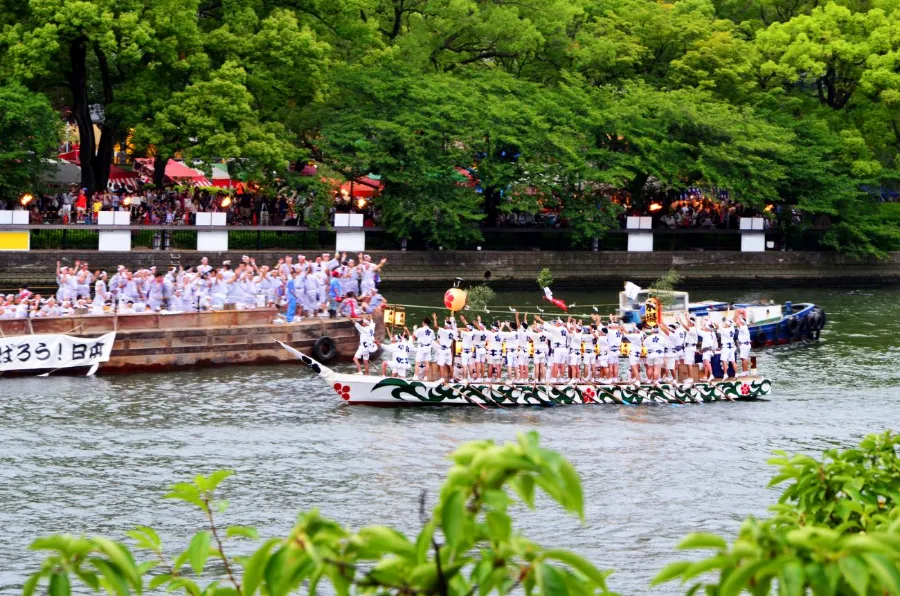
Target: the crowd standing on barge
(327, 285)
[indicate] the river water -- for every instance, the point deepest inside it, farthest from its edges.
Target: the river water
(95, 455)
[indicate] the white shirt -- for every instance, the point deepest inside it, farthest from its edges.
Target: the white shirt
(467, 338)
(511, 340)
(444, 337)
(655, 343)
(366, 334)
(424, 337)
(495, 341)
(539, 340)
(614, 339)
(727, 337)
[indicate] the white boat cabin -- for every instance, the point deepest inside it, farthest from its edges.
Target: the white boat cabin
(632, 308)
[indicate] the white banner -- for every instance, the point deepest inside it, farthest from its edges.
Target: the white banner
(28, 352)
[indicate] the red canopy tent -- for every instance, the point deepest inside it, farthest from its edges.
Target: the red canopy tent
(363, 187)
(221, 177)
(71, 156)
(176, 172)
(120, 177)
(117, 173)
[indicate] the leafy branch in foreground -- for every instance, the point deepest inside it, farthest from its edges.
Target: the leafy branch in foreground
(836, 530)
(467, 545)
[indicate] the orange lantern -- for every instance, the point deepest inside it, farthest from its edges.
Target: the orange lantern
(455, 299)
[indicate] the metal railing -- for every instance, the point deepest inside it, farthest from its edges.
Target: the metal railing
(86, 237)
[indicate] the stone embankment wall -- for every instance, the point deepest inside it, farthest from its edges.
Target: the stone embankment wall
(436, 269)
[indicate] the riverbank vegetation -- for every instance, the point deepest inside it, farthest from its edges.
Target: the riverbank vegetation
(560, 103)
(834, 531)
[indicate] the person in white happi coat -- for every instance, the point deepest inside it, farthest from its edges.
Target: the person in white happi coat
(368, 271)
(367, 343)
(743, 341)
(101, 295)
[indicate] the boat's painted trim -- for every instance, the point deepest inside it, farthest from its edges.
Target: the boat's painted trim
(391, 391)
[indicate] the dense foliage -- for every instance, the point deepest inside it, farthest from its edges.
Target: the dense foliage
(558, 101)
(835, 531)
(28, 131)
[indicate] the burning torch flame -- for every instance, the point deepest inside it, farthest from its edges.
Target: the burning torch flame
(769, 208)
(26, 198)
(226, 201)
(361, 203)
(126, 201)
(655, 207)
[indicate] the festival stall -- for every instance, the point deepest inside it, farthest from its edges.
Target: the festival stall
(176, 173)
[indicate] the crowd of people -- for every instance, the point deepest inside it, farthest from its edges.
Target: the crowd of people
(327, 285)
(170, 206)
(560, 351)
(703, 213)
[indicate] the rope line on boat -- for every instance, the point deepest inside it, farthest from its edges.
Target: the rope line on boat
(506, 306)
(504, 309)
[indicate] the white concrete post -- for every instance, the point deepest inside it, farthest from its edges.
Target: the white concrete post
(114, 240)
(753, 235)
(211, 241)
(349, 241)
(640, 240)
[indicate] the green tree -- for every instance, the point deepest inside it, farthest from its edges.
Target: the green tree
(684, 138)
(90, 49)
(406, 129)
(29, 133)
(213, 118)
(467, 544)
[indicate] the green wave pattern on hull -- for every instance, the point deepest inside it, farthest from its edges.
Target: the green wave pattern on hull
(557, 395)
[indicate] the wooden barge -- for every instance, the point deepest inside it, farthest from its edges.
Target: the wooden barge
(164, 342)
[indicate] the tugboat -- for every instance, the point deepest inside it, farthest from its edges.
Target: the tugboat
(770, 324)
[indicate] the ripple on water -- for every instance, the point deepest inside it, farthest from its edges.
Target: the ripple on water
(95, 455)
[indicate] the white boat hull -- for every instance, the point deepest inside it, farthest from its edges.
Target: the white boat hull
(390, 391)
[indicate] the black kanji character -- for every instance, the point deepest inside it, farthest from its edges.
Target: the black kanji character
(96, 350)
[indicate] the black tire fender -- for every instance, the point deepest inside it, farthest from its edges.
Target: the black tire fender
(761, 339)
(324, 349)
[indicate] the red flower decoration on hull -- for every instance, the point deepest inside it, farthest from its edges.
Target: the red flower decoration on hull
(343, 391)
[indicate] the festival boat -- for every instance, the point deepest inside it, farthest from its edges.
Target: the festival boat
(770, 324)
(368, 390)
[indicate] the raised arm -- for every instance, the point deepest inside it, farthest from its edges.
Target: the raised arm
(663, 327)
